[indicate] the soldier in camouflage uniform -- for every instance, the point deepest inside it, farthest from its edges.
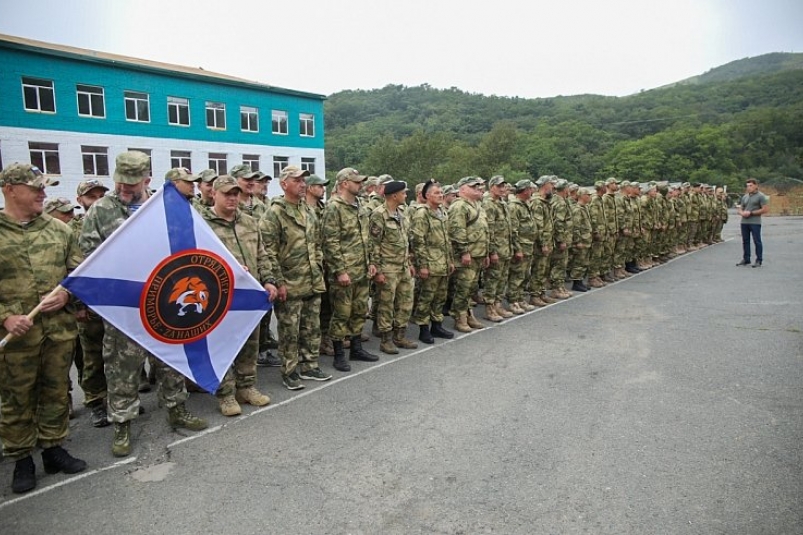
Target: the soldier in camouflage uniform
(524, 234)
(679, 200)
(542, 213)
(693, 216)
(624, 221)
(346, 246)
(722, 209)
(241, 235)
(611, 228)
(468, 231)
(433, 260)
(316, 189)
(500, 249)
(122, 357)
(36, 253)
(291, 232)
(562, 233)
(390, 253)
(599, 234)
(61, 209)
(205, 199)
(582, 238)
(91, 375)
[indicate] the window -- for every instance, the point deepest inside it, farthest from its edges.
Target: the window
(216, 116)
(181, 158)
(96, 160)
(137, 107)
(217, 161)
(279, 163)
(251, 160)
(150, 161)
(38, 95)
(45, 156)
(90, 101)
(308, 164)
(306, 124)
(279, 120)
(178, 111)
(249, 119)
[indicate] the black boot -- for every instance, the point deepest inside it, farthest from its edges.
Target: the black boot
(358, 353)
(579, 286)
(630, 267)
(56, 459)
(24, 476)
(424, 335)
(340, 364)
(438, 331)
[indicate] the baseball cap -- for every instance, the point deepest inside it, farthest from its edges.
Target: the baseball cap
(181, 173)
(208, 175)
(611, 180)
(522, 185)
(496, 180)
(448, 189)
(88, 185)
(292, 171)
(470, 181)
(226, 183)
(132, 167)
(349, 174)
(383, 179)
(315, 180)
(61, 204)
(561, 184)
(263, 177)
(543, 179)
(243, 171)
(27, 174)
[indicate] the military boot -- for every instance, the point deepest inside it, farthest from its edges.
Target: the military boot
(401, 340)
(608, 277)
(56, 459)
(536, 301)
(502, 311)
(515, 308)
(386, 344)
(438, 331)
(473, 322)
(179, 416)
(491, 315)
(461, 323)
(424, 335)
(24, 475)
(340, 364)
(579, 286)
(252, 396)
(121, 446)
(547, 299)
(358, 353)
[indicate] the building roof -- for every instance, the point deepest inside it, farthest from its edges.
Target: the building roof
(84, 54)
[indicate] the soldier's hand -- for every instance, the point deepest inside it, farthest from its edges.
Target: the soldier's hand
(272, 291)
(423, 273)
(17, 325)
(343, 279)
(494, 258)
(380, 278)
(412, 271)
(518, 257)
(486, 262)
(54, 302)
(545, 250)
(451, 269)
(562, 246)
(371, 271)
(465, 259)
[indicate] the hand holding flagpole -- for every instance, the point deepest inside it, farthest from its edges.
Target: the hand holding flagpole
(37, 309)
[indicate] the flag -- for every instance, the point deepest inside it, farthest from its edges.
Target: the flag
(167, 281)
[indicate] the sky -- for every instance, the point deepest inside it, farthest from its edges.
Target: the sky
(514, 48)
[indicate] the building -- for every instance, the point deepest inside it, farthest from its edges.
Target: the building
(71, 111)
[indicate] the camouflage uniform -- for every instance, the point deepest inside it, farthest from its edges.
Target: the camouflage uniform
(34, 368)
(432, 251)
(292, 239)
(500, 244)
(542, 213)
(468, 232)
(582, 238)
(524, 236)
(562, 232)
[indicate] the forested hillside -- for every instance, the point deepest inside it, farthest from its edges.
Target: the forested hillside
(730, 123)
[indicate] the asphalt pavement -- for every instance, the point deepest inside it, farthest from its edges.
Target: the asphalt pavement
(670, 403)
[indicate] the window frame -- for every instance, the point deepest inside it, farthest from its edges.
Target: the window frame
(309, 164)
(279, 114)
(306, 118)
(215, 107)
(96, 154)
(249, 111)
(178, 105)
(218, 157)
(252, 160)
(32, 84)
(79, 92)
(44, 151)
(279, 163)
(136, 100)
(177, 159)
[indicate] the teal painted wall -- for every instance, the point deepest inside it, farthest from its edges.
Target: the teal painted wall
(66, 73)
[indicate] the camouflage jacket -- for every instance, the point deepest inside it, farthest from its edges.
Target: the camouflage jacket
(468, 228)
(255, 208)
(430, 241)
(345, 238)
(542, 213)
(499, 231)
(599, 223)
(102, 219)
(523, 226)
(611, 214)
(680, 208)
(624, 217)
(34, 259)
(390, 249)
(581, 225)
(648, 211)
(561, 220)
(291, 234)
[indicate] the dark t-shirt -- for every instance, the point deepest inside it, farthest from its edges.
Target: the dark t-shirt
(753, 202)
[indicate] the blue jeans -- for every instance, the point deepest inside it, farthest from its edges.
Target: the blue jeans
(752, 229)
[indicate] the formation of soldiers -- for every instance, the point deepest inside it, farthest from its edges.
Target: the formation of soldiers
(327, 266)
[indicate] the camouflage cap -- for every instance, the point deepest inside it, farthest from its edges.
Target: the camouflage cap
(470, 181)
(496, 180)
(181, 173)
(27, 174)
(315, 180)
(624, 183)
(685, 185)
(448, 189)
(561, 184)
(350, 174)
(635, 184)
(88, 185)
(208, 175)
(573, 186)
(612, 180)
(522, 185)
(586, 191)
(243, 171)
(372, 181)
(419, 187)
(292, 171)
(543, 179)
(132, 167)
(599, 184)
(226, 183)
(383, 179)
(61, 204)
(263, 177)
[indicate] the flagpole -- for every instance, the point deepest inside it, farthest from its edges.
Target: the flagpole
(32, 314)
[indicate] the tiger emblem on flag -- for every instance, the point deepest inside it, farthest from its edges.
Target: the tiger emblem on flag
(190, 293)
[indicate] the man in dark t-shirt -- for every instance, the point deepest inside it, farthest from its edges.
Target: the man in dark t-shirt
(752, 205)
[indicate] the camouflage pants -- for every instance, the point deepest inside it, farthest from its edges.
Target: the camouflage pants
(466, 279)
(691, 232)
(122, 359)
(33, 387)
(538, 273)
(518, 274)
(495, 279)
(264, 331)
(431, 298)
(299, 332)
(395, 301)
(595, 259)
(243, 371)
(578, 266)
(622, 250)
(644, 245)
(609, 254)
(93, 376)
(349, 305)
(558, 262)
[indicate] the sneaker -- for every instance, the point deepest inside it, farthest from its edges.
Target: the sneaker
(229, 406)
(744, 263)
(314, 374)
(266, 358)
(56, 459)
(757, 263)
(292, 381)
(99, 417)
(252, 396)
